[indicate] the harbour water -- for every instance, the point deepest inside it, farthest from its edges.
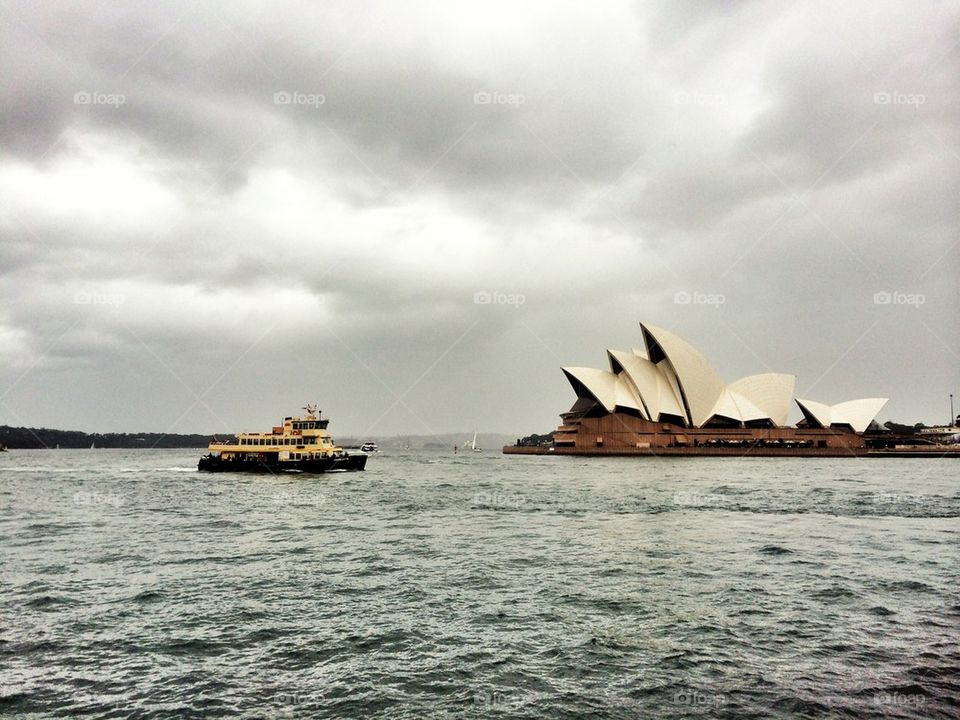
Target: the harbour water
(478, 585)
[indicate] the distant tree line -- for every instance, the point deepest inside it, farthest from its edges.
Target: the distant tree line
(535, 440)
(37, 438)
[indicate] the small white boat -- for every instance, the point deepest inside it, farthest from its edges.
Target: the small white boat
(473, 444)
(369, 447)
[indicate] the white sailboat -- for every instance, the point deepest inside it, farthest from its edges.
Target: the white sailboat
(473, 443)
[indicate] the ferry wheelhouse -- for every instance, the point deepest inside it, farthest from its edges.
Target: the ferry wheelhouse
(299, 444)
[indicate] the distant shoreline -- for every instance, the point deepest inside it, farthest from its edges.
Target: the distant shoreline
(23, 438)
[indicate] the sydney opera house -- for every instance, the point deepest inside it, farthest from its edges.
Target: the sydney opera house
(668, 400)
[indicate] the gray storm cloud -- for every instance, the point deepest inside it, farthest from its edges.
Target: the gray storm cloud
(211, 214)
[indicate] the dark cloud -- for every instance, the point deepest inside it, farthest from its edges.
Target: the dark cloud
(255, 204)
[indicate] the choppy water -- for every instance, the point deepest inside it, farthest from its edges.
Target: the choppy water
(479, 586)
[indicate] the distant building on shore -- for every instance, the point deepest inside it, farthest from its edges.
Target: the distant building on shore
(668, 399)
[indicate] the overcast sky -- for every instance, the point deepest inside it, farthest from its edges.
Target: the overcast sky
(414, 213)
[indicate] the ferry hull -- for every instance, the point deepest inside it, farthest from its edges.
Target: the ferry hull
(349, 463)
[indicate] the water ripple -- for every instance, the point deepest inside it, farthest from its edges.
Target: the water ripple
(441, 586)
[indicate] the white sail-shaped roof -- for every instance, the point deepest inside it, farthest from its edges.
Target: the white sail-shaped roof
(858, 414)
(699, 383)
(600, 384)
(671, 401)
(735, 406)
(636, 375)
(771, 392)
(610, 390)
(815, 413)
(674, 382)
(626, 397)
(653, 387)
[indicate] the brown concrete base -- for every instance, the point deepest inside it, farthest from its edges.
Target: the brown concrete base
(665, 451)
(931, 452)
